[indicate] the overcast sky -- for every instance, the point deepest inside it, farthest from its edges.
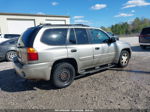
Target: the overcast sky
(92, 12)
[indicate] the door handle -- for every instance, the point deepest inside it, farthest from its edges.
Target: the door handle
(97, 48)
(73, 50)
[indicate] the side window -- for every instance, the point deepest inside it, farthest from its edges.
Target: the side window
(72, 38)
(82, 37)
(98, 36)
(12, 42)
(55, 36)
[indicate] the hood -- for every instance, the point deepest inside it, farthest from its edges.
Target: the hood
(123, 42)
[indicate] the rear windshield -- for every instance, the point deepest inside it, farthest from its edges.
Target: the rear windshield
(29, 35)
(55, 36)
(145, 31)
(11, 36)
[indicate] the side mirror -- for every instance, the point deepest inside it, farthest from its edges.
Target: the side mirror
(113, 39)
(110, 40)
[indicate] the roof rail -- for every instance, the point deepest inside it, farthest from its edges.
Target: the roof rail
(64, 25)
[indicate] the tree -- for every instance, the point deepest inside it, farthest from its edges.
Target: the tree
(129, 28)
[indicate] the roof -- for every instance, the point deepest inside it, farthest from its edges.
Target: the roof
(37, 15)
(64, 26)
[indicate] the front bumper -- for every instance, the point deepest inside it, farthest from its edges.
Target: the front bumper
(40, 71)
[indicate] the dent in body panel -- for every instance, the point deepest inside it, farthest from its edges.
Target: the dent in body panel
(52, 53)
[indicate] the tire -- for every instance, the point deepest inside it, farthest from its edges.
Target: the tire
(63, 75)
(10, 55)
(124, 59)
(143, 47)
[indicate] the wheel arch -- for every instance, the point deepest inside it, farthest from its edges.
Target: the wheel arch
(127, 49)
(119, 53)
(72, 61)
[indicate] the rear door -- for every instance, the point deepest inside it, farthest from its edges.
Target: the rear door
(80, 48)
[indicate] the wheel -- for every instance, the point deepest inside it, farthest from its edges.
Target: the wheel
(124, 59)
(63, 75)
(10, 55)
(143, 47)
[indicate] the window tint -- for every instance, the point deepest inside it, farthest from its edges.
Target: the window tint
(11, 36)
(110, 33)
(72, 38)
(146, 31)
(98, 36)
(54, 36)
(13, 42)
(10, 42)
(29, 35)
(82, 37)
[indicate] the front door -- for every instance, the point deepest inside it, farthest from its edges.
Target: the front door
(104, 53)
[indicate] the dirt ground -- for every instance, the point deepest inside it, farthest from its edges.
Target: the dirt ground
(110, 89)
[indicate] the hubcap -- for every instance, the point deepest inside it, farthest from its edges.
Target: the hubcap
(64, 76)
(11, 55)
(124, 59)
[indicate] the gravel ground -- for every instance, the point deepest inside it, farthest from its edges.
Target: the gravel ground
(111, 89)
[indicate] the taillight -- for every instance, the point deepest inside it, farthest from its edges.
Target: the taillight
(141, 36)
(32, 54)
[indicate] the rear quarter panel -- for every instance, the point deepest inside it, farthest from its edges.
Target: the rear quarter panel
(48, 53)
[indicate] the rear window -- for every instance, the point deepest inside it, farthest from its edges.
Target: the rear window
(55, 36)
(145, 31)
(29, 35)
(9, 36)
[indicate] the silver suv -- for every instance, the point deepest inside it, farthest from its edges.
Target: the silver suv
(62, 52)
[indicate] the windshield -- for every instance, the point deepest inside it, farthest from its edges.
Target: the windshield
(110, 33)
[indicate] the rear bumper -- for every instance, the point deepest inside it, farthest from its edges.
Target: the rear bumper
(41, 71)
(144, 40)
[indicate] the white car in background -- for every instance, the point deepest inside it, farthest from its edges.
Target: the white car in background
(4, 37)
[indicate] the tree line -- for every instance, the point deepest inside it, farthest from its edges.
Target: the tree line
(126, 28)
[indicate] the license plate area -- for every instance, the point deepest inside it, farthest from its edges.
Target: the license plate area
(22, 55)
(146, 37)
